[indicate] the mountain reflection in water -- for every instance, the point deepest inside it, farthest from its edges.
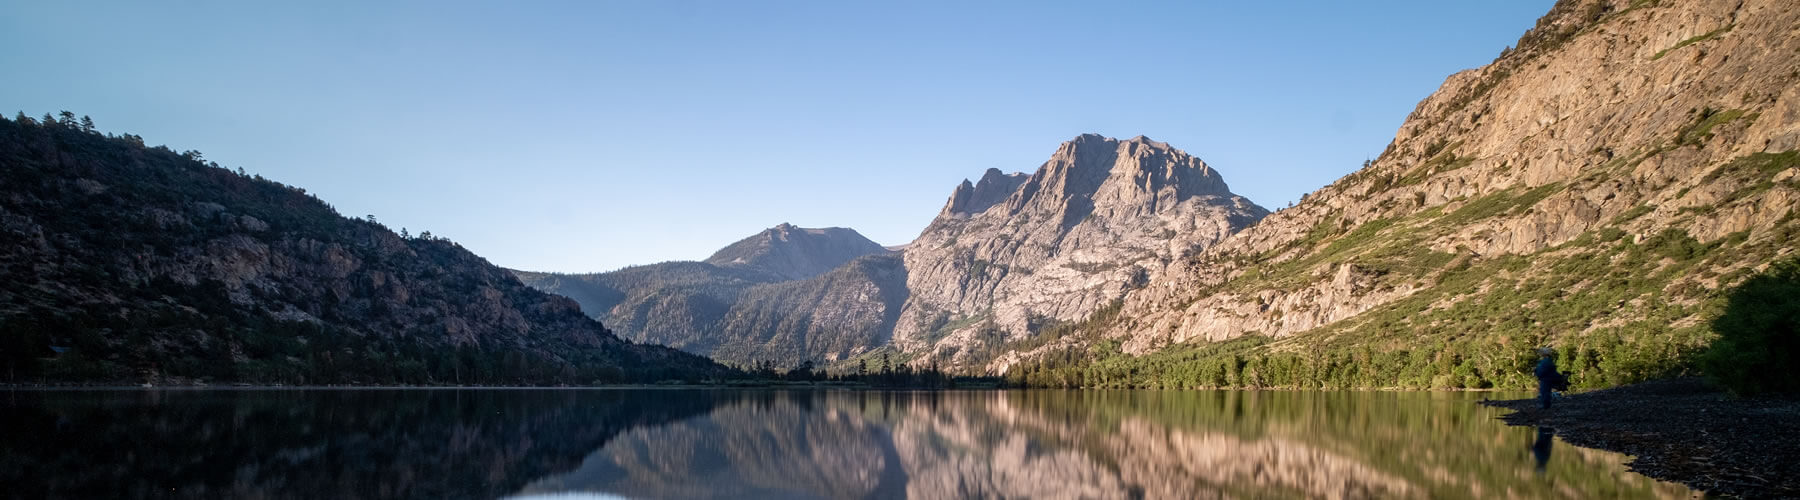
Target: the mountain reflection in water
(638, 443)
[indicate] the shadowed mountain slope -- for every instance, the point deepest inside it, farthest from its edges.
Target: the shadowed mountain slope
(695, 306)
(141, 264)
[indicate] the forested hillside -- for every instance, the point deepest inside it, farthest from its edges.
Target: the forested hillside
(128, 264)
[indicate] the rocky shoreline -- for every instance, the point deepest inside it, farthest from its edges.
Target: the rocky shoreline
(1683, 430)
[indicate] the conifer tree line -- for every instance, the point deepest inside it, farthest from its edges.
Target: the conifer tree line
(882, 371)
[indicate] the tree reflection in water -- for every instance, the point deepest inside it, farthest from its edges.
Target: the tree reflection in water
(436, 443)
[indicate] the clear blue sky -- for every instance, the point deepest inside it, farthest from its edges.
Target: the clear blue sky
(589, 135)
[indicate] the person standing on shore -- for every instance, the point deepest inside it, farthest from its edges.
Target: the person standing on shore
(1547, 375)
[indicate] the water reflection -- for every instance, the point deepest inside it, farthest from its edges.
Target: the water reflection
(1540, 450)
(1097, 445)
(308, 444)
(775, 444)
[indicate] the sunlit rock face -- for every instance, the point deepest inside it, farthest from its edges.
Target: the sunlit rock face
(1639, 117)
(1013, 252)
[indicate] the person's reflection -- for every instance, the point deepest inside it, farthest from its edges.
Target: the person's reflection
(1541, 448)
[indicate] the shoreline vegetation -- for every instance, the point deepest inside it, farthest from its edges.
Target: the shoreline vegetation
(1685, 430)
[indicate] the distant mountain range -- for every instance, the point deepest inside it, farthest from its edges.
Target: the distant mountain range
(1006, 255)
(1596, 188)
(791, 253)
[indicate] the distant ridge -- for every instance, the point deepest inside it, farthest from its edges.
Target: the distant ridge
(791, 253)
(699, 306)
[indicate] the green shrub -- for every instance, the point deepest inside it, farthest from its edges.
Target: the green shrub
(1759, 334)
(1696, 39)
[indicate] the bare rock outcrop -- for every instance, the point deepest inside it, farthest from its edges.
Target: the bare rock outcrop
(1101, 217)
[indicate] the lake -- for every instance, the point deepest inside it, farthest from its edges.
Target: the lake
(698, 443)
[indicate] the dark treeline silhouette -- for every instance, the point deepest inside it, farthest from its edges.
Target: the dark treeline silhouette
(1759, 334)
(877, 373)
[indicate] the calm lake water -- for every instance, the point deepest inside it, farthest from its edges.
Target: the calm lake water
(654, 443)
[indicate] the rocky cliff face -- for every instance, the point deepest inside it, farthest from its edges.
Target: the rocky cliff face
(1592, 188)
(1012, 253)
(147, 265)
(838, 315)
(993, 188)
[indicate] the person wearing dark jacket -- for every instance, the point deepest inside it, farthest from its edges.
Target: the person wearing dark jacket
(1548, 377)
